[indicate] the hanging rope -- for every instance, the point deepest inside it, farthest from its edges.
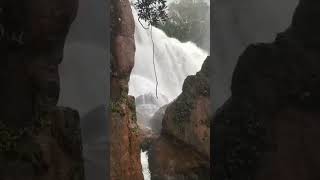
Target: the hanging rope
(153, 59)
(154, 65)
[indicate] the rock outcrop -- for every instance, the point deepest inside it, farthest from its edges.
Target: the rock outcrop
(187, 118)
(266, 130)
(171, 159)
(38, 140)
(183, 149)
(125, 142)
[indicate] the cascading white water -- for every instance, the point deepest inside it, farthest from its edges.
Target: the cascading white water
(145, 165)
(173, 61)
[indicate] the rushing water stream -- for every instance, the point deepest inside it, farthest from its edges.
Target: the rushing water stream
(145, 165)
(174, 61)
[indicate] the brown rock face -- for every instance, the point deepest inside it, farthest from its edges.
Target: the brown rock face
(32, 41)
(125, 142)
(187, 118)
(267, 128)
(183, 149)
(38, 141)
(172, 159)
(125, 145)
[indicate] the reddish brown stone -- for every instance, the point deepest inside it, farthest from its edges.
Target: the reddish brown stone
(125, 145)
(183, 149)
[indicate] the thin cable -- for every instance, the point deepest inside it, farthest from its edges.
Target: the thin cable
(143, 25)
(154, 65)
(153, 59)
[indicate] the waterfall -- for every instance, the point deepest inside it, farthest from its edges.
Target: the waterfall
(174, 61)
(145, 165)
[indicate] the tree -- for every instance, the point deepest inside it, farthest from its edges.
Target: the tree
(188, 20)
(152, 11)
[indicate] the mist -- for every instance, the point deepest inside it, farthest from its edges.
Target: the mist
(236, 24)
(205, 37)
(84, 72)
(84, 81)
(173, 61)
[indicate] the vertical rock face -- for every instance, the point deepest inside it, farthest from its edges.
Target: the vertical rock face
(38, 140)
(266, 130)
(187, 118)
(125, 145)
(183, 149)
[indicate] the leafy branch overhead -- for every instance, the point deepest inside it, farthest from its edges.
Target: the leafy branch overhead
(152, 11)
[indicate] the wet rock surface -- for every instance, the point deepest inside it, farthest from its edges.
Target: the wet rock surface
(183, 149)
(187, 118)
(170, 158)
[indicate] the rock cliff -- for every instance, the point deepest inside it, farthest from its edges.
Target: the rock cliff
(187, 118)
(266, 130)
(125, 140)
(183, 149)
(38, 140)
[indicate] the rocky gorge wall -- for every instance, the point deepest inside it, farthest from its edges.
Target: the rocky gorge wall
(38, 140)
(125, 142)
(183, 149)
(266, 130)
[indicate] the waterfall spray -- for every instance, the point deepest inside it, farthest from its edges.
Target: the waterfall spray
(154, 66)
(172, 61)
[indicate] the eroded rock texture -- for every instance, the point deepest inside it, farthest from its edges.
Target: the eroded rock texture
(267, 129)
(38, 140)
(183, 150)
(125, 142)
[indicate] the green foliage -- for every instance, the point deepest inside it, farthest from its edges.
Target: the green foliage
(136, 130)
(152, 11)
(116, 107)
(187, 20)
